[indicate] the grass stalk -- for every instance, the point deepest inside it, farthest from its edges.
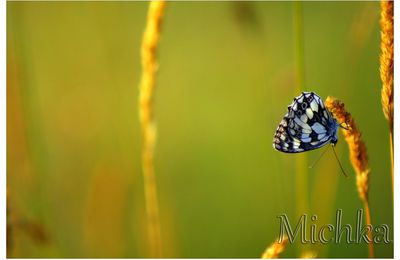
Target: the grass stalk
(147, 120)
(299, 45)
(301, 159)
(371, 253)
(386, 69)
(391, 158)
(358, 158)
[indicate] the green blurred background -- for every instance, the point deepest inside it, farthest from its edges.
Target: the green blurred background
(227, 74)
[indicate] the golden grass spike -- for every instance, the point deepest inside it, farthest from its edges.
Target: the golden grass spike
(358, 156)
(275, 249)
(386, 68)
(146, 114)
(358, 150)
(386, 59)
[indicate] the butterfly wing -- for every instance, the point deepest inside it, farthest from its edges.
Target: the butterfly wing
(306, 126)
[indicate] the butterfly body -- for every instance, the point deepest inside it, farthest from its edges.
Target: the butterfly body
(308, 125)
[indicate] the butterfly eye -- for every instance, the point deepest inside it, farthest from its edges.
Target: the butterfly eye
(304, 105)
(299, 113)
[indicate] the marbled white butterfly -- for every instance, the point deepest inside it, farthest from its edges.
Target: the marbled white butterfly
(308, 125)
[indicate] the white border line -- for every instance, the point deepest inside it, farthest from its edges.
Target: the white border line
(3, 135)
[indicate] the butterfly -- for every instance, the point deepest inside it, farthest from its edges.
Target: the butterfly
(308, 125)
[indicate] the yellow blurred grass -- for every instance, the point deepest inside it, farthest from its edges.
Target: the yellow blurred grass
(308, 254)
(275, 249)
(103, 234)
(358, 156)
(146, 115)
(301, 182)
(20, 164)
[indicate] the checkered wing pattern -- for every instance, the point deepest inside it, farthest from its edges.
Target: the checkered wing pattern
(308, 125)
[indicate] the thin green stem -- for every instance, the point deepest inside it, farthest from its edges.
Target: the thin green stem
(391, 158)
(299, 45)
(301, 159)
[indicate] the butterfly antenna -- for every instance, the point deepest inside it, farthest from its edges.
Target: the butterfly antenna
(341, 167)
(319, 157)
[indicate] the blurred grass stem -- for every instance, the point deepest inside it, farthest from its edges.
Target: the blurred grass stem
(147, 120)
(299, 45)
(301, 159)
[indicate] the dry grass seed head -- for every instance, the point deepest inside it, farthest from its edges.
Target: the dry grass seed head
(386, 59)
(357, 147)
(275, 249)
